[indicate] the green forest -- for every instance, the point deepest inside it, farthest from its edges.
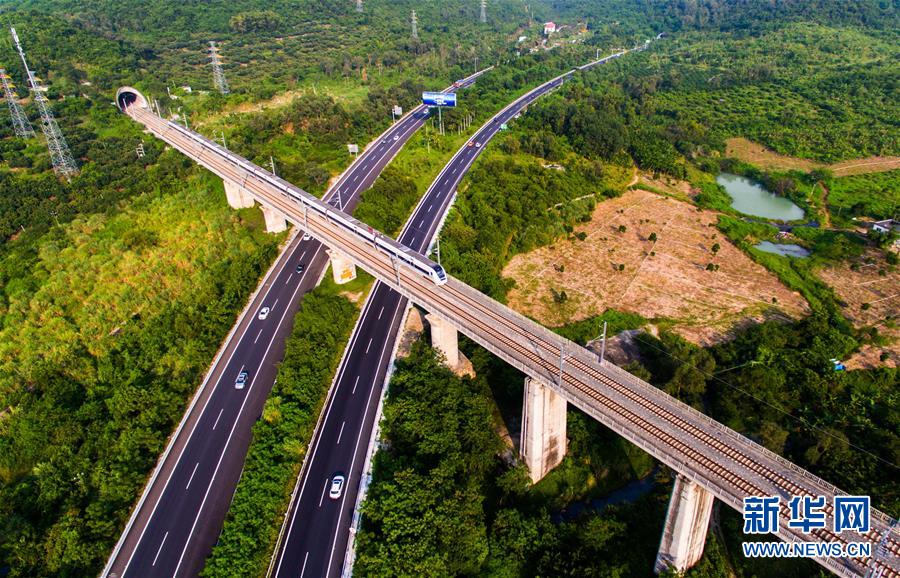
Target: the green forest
(117, 288)
(667, 111)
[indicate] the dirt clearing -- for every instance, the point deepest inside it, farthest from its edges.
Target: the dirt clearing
(873, 300)
(756, 154)
(665, 278)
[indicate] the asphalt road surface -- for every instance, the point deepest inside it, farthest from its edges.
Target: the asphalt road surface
(315, 537)
(180, 515)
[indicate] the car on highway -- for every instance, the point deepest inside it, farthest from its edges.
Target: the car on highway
(263, 313)
(470, 144)
(337, 486)
(396, 137)
(307, 236)
(241, 380)
(477, 145)
(301, 267)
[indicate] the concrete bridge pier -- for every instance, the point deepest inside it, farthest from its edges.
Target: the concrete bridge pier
(444, 338)
(543, 441)
(342, 269)
(275, 221)
(237, 197)
(687, 522)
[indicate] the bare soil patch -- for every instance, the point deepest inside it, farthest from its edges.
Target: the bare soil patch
(666, 278)
(873, 300)
(751, 152)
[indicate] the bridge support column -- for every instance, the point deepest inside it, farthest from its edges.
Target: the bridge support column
(543, 442)
(275, 222)
(444, 338)
(342, 269)
(237, 197)
(687, 522)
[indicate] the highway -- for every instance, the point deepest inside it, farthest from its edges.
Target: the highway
(181, 511)
(314, 539)
(718, 459)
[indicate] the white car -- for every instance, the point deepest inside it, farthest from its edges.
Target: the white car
(478, 145)
(337, 487)
(307, 236)
(264, 312)
(241, 380)
(396, 137)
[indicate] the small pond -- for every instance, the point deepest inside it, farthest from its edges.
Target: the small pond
(629, 493)
(751, 198)
(783, 249)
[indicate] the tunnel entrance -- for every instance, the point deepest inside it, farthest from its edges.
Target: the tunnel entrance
(127, 96)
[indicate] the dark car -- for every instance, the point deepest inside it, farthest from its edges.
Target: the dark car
(301, 267)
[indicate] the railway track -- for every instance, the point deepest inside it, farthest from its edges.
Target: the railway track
(719, 459)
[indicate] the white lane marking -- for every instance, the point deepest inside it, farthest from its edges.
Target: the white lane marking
(231, 433)
(355, 383)
(422, 223)
(160, 549)
(341, 433)
(355, 178)
(369, 345)
(323, 493)
(192, 476)
(289, 279)
(274, 304)
(312, 456)
(455, 169)
(303, 255)
(257, 336)
(208, 376)
(429, 206)
(218, 417)
(355, 454)
(445, 180)
(380, 312)
(303, 570)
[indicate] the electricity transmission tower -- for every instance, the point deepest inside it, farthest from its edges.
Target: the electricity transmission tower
(19, 120)
(359, 5)
(60, 155)
(218, 73)
(483, 17)
(415, 26)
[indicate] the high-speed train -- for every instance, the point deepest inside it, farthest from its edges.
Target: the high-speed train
(399, 254)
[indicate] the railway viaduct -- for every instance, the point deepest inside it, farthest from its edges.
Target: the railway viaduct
(711, 461)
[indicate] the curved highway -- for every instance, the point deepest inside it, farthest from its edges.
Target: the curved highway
(314, 539)
(180, 514)
(728, 465)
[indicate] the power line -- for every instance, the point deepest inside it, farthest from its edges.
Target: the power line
(60, 155)
(218, 73)
(799, 419)
(19, 120)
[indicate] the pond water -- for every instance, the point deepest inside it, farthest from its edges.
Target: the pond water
(629, 493)
(783, 249)
(751, 198)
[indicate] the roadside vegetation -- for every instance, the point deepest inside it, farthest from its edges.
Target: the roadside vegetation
(668, 111)
(283, 434)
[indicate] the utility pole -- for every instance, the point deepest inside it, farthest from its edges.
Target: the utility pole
(272, 165)
(222, 136)
(415, 26)
(218, 73)
(603, 344)
(19, 120)
(483, 16)
(439, 248)
(60, 155)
